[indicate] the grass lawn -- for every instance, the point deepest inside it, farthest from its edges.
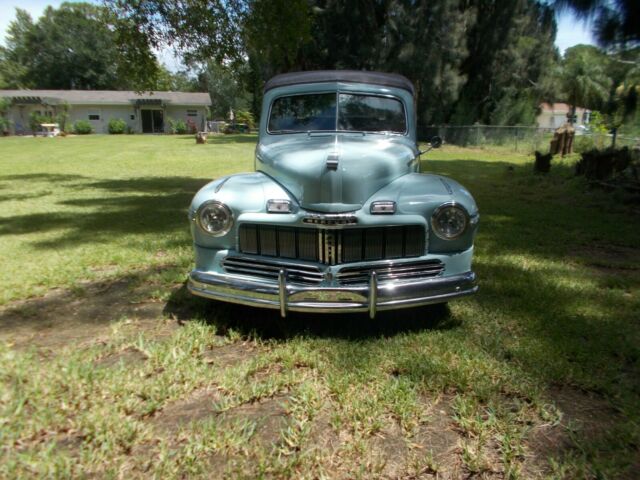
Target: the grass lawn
(109, 368)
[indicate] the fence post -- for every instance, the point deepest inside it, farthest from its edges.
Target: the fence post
(614, 132)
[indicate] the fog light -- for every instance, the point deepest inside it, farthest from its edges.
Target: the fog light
(278, 206)
(383, 207)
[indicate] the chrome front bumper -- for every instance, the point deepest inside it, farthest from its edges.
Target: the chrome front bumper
(300, 298)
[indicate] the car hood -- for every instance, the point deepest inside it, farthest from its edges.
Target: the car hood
(362, 164)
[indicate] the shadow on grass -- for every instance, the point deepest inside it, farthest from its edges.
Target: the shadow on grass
(232, 138)
(131, 206)
(268, 324)
(224, 139)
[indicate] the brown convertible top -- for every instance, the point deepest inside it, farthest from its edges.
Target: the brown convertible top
(353, 76)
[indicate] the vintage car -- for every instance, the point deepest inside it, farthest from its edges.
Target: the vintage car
(337, 216)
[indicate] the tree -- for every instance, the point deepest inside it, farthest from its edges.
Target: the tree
(180, 81)
(225, 90)
(72, 47)
(15, 56)
(470, 60)
(199, 31)
(511, 59)
(584, 80)
(408, 34)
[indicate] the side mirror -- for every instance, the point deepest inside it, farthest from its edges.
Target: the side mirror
(436, 142)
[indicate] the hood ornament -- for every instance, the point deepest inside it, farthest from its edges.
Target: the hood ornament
(333, 160)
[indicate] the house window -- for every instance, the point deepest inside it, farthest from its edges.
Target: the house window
(132, 116)
(192, 113)
(94, 116)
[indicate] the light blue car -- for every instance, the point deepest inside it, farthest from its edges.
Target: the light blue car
(337, 216)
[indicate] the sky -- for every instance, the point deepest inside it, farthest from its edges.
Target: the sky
(570, 30)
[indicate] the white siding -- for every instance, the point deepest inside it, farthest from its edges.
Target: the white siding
(197, 114)
(106, 112)
(180, 113)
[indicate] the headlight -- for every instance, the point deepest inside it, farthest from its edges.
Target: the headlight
(449, 221)
(214, 218)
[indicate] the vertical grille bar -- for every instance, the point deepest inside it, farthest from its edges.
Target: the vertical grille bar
(249, 239)
(268, 243)
(308, 244)
(414, 243)
(287, 242)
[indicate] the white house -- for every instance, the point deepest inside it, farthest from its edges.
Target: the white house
(554, 115)
(147, 112)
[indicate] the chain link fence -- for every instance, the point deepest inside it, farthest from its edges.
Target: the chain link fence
(520, 139)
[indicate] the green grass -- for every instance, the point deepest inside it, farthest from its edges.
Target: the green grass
(121, 373)
(109, 203)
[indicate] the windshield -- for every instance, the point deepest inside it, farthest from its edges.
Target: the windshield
(341, 112)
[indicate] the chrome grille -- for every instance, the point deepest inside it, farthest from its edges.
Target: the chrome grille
(296, 273)
(401, 271)
(333, 247)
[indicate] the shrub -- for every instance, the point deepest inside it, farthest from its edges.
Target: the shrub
(117, 126)
(5, 123)
(82, 127)
(243, 116)
(62, 118)
(5, 126)
(35, 120)
(177, 126)
(191, 126)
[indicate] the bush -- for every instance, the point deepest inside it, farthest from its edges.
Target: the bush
(243, 116)
(5, 126)
(82, 127)
(62, 118)
(117, 126)
(35, 120)
(177, 126)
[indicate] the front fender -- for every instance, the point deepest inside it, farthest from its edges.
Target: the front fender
(421, 194)
(242, 193)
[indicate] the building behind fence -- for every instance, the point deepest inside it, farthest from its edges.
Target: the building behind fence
(520, 139)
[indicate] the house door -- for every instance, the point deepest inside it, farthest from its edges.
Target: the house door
(152, 121)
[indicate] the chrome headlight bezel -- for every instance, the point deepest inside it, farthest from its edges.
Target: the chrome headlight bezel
(440, 210)
(228, 222)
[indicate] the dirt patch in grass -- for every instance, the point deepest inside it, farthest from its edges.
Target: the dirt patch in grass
(198, 405)
(128, 356)
(230, 354)
(269, 415)
(586, 414)
(438, 440)
(84, 314)
(322, 435)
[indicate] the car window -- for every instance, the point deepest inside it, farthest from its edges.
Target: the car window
(370, 113)
(300, 113)
(355, 112)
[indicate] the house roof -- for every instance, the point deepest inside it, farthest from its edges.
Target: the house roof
(558, 107)
(353, 76)
(106, 97)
